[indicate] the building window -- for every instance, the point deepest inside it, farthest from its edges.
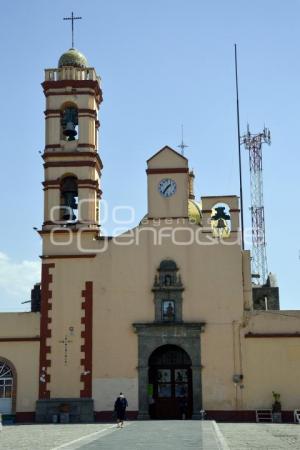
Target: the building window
(6, 387)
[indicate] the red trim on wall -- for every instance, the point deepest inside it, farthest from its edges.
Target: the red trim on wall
(107, 416)
(46, 295)
(53, 145)
(94, 164)
(82, 182)
(80, 110)
(243, 416)
(93, 154)
(62, 231)
(87, 335)
(169, 170)
(272, 335)
(90, 255)
(90, 84)
(25, 417)
(165, 218)
(20, 339)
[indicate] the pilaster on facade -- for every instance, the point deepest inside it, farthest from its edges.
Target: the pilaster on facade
(87, 338)
(45, 331)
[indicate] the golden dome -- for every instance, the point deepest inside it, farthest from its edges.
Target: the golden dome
(194, 212)
(73, 58)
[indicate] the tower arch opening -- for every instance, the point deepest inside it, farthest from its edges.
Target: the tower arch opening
(69, 130)
(221, 220)
(69, 198)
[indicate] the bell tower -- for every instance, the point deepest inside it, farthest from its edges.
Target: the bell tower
(71, 162)
(69, 231)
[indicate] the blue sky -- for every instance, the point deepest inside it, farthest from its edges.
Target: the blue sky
(162, 63)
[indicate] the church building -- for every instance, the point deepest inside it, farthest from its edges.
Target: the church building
(165, 313)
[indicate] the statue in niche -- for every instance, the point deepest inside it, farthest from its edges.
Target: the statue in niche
(168, 280)
(168, 311)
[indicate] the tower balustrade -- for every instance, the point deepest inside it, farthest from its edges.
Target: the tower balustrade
(71, 73)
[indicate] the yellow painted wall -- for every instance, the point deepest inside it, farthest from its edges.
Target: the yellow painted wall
(23, 355)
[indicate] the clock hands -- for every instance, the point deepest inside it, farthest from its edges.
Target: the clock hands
(167, 187)
(165, 190)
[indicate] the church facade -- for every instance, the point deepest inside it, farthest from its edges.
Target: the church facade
(165, 313)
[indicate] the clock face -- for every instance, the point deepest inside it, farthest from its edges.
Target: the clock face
(167, 187)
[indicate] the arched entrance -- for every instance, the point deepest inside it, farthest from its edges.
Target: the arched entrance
(170, 383)
(7, 387)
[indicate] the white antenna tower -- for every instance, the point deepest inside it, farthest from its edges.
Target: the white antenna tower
(253, 143)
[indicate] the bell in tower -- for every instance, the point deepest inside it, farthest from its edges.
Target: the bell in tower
(69, 123)
(69, 195)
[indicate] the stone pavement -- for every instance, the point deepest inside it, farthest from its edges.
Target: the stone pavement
(160, 435)
(150, 435)
(145, 435)
(262, 436)
(44, 437)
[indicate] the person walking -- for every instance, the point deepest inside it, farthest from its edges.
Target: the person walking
(120, 409)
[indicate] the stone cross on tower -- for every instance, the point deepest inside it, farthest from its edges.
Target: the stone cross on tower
(72, 18)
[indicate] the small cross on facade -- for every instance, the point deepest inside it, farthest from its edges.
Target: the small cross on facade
(72, 18)
(66, 341)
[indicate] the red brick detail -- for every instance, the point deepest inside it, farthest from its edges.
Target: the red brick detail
(53, 146)
(272, 335)
(66, 231)
(77, 84)
(242, 416)
(25, 417)
(167, 218)
(94, 164)
(168, 170)
(87, 335)
(45, 332)
(92, 112)
(90, 255)
(68, 154)
(20, 339)
(107, 416)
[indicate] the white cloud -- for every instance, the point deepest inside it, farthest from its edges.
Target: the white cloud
(16, 282)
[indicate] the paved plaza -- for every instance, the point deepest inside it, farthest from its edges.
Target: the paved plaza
(152, 435)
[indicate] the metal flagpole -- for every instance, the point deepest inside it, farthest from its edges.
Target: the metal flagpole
(239, 145)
